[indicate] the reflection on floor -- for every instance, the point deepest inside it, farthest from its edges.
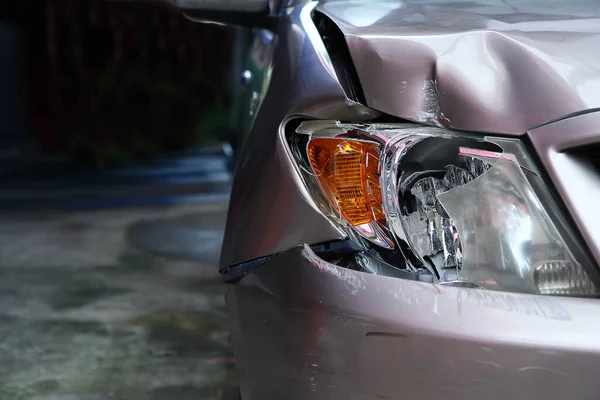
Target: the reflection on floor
(115, 304)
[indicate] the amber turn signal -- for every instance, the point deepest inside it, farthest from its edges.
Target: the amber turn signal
(348, 171)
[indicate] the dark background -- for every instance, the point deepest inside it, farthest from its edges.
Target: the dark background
(114, 188)
(109, 83)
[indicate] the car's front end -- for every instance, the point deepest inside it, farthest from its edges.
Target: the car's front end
(413, 212)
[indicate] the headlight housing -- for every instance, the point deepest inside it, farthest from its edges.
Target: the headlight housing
(451, 207)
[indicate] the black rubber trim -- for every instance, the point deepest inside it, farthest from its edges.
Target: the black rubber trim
(335, 249)
(236, 272)
(324, 250)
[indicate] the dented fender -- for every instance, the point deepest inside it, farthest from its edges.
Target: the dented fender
(312, 329)
(482, 66)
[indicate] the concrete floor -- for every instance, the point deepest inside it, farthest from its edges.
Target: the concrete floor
(114, 304)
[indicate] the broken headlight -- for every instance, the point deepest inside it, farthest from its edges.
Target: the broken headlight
(447, 207)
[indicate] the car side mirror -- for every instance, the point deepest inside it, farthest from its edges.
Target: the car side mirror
(249, 13)
(223, 5)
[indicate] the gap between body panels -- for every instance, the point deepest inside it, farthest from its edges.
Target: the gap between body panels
(342, 253)
(339, 252)
(339, 54)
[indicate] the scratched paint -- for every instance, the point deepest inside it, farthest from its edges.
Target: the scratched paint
(539, 306)
(430, 113)
(354, 282)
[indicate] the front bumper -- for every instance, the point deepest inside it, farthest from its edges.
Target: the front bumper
(307, 329)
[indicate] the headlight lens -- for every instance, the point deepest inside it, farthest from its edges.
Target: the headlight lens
(428, 200)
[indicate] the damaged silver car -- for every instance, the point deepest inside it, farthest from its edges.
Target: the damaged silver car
(414, 209)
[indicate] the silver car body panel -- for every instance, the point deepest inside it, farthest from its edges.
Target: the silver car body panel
(483, 66)
(307, 329)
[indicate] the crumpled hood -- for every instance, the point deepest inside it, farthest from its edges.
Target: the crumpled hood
(500, 66)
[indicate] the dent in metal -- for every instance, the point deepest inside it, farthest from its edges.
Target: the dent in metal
(359, 327)
(431, 113)
(483, 66)
(544, 369)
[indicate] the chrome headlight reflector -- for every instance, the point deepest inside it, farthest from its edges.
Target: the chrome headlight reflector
(425, 199)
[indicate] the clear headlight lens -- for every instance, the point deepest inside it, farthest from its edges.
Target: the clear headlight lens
(459, 208)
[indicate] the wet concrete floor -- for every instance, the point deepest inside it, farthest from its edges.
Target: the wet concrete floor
(114, 304)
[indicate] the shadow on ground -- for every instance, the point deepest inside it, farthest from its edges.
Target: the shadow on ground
(115, 304)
